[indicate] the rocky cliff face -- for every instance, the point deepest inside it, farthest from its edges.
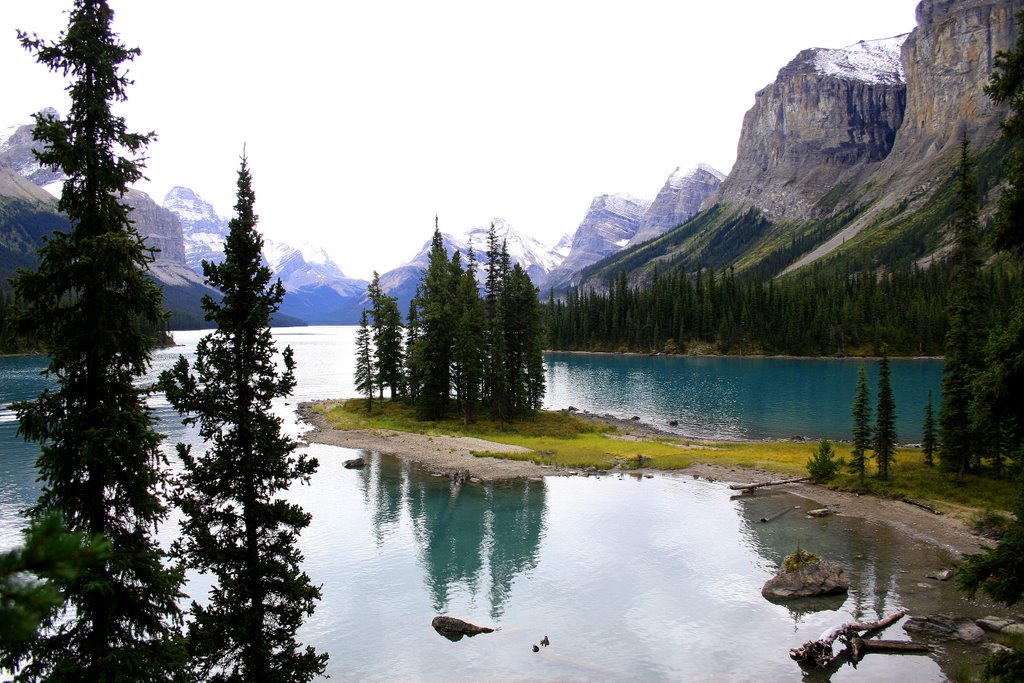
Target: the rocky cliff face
(948, 60)
(679, 199)
(159, 226)
(203, 230)
(17, 152)
(610, 223)
(827, 115)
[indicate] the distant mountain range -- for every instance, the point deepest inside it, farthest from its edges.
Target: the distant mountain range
(188, 230)
(845, 159)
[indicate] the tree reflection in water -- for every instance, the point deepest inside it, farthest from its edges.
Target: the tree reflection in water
(469, 535)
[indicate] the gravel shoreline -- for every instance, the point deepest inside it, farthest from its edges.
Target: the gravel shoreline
(453, 456)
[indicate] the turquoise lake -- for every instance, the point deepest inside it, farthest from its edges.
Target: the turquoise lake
(631, 579)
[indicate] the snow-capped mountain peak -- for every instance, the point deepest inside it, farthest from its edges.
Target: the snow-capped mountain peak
(873, 61)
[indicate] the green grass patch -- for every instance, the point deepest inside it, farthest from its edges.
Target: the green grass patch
(563, 440)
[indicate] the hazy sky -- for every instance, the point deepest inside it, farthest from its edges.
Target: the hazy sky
(363, 120)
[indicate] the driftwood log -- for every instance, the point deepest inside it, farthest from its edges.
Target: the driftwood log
(819, 652)
(923, 506)
(750, 487)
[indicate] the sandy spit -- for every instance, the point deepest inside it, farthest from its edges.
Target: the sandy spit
(447, 456)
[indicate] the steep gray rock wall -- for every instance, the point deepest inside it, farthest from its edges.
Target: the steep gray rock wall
(609, 224)
(948, 60)
(680, 198)
(159, 226)
(827, 115)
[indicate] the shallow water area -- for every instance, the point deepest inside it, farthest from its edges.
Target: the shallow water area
(630, 578)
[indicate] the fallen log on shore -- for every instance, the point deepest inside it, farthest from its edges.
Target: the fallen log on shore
(860, 647)
(819, 652)
(750, 487)
(923, 506)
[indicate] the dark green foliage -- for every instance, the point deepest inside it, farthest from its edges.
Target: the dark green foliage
(885, 421)
(999, 398)
(823, 465)
(387, 338)
(999, 572)
(236, 526)
(29, 576)
(100, 464)
(929, 440)
(468, 353)
(480, 352)
(1004, 667)
(861, 425)
(364, 374)
(496, 389)
(436, 338)
(413, 352)
(1007, 86)
(813, 313)
(965, 336)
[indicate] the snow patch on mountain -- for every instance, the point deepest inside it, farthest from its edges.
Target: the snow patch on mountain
(872, 61)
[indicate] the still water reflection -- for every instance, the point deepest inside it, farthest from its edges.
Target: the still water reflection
(631, 579)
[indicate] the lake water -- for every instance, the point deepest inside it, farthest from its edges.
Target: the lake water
(631, 578)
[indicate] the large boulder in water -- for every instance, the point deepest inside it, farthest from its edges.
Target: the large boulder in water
(454, 629)
(819, 577)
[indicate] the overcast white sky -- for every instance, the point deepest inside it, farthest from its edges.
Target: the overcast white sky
(363, 120)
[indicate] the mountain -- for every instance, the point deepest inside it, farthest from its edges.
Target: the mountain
(535, 258)
(847, 157)
(609, 224)
(16, 151)
(316, 290)
(679, 200)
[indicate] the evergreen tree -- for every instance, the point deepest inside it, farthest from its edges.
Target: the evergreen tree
(387, 338)
(999, 571)
(29, 576)
(885, 422)
(468, 354)
(822, 465)
(861, 425)
(496, 389)
(929, 440)
(100, 464)
(236, 527)
(413, 350)
(964, 339)
(364, 374)
(437, 333)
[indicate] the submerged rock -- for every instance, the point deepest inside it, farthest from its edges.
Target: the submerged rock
(354, 464)
(940, 575)
(820, 577)
(946, 626)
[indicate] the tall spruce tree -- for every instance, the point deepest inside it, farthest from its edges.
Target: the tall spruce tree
(861, 425)
(100, 464)
(364, 374)
(929, 440)
(437, 333)
(236, 526)
(964, 339)
(885, 421)
(413, 352)
(387, 338)
(468, 353)
(496, 389)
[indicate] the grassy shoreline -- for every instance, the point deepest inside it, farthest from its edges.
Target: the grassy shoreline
(588, 442)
